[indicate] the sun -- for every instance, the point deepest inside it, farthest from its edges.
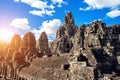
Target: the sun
(5, 35)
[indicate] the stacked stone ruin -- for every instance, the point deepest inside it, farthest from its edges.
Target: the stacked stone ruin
(90, 52)
(64, 36)
(42, 46)
(17, 55)
(94, 48)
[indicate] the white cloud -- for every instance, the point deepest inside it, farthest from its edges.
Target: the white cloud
(37, 4)
(38, 13)
(50, 27)
(20, 23)
(85, 9)
(113, 13)
(21, 26)
(100, 4)
(59, 2)
(42, 7)
(42, 12)
(16, 0)
(49, 12)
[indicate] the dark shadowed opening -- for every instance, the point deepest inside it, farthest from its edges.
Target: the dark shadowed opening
(66, 66)
(82, 58)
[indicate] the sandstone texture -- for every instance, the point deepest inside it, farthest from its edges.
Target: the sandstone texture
(42, 46)
(64, 36)
(88, 52)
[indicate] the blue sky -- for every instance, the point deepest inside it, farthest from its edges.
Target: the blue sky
(21, 16)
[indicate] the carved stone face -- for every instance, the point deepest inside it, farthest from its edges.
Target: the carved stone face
(29, 40)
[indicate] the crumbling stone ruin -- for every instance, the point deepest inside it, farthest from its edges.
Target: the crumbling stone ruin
(88, 52)
(16, 55)
(28, 46)
(93, 47)
(64, 36)
(42, 46)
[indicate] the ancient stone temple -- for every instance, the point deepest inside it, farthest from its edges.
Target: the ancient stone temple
(88, 52)
(64, 36)
(29, 41)
(42, 46)
(97, 43)
(15, 42)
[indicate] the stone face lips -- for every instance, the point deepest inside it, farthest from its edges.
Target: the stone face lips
(63, 42)
(42, 46)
